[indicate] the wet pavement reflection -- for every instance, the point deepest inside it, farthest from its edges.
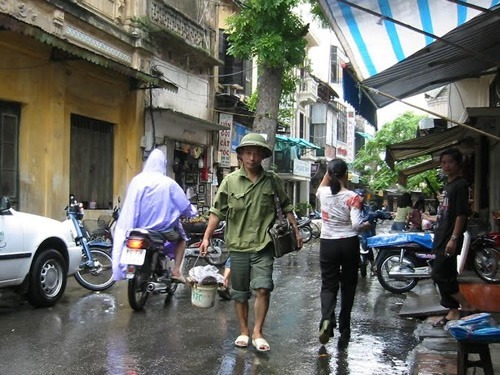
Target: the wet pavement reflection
(98, 333)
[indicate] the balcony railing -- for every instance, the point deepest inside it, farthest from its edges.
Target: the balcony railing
(308, 91)
(182, 29)
(295, 167)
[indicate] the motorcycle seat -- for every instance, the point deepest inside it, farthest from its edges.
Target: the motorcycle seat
(158, 237)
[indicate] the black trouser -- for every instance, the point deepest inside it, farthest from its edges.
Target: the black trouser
(444, 274)
(339, 260)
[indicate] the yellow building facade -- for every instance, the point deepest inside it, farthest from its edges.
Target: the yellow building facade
(59, 76)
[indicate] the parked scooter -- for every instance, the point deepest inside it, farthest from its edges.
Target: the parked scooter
(305, 229)
(402, 259)
(405, 258)
(149, 256)
(365, 252)
(217, 254)
(95, 272)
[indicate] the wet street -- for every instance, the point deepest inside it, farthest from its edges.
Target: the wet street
(98, 333)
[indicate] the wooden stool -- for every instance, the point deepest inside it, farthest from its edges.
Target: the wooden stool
(473, 347)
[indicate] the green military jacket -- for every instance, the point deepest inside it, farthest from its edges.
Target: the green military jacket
(249, 209)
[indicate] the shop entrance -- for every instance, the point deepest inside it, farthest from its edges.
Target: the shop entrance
(189, 169)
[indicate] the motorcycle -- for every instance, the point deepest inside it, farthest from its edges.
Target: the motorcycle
(315, 217)
(103, 228)
(95, 272)
(149, 257)
(305, 229)
(402, 259)
(217, 254)
(365, 252)
(405, 258)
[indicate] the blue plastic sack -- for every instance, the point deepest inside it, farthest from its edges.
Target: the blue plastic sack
(479, 327)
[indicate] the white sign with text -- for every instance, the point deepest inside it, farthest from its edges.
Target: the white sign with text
(225, 140)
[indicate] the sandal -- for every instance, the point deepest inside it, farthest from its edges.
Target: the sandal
(261, 344)
(242, 341)
(178, 279)
(440, 323)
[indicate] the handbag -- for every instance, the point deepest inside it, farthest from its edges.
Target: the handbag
(283, 236)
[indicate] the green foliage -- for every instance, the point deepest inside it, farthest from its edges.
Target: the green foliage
(318, 14)
(269, 31)
(376, 174)
(301, 208)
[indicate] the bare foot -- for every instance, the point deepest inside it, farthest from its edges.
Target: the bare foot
(453, 315)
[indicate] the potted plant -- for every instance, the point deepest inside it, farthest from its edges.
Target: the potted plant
(302, 208)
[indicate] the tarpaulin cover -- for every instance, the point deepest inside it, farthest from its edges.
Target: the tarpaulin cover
(386, 240)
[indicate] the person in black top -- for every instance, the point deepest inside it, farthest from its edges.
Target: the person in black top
(448, 235)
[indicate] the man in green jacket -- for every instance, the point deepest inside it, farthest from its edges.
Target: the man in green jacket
(245, 199)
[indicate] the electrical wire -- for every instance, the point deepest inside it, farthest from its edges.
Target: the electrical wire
(468, 127)
(169, 67)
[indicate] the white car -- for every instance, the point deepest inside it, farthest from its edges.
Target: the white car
(36, 255)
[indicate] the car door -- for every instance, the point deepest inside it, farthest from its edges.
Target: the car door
(14, 259)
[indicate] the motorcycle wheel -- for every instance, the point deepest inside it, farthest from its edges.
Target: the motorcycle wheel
(306, 233)
(316, 230)
(99, 277)
(170, 292)
(393, 285)
(137, 288)
(485, 264)
(172, 288)
(218, 253)
(363, 263)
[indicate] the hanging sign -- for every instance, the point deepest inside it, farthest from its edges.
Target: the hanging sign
(225, 140)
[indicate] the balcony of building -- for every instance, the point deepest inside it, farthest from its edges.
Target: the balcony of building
(192, 43)
(289, 158)
(308, 91)
(294, 169)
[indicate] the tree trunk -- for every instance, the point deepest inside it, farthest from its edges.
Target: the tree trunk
(269, 87)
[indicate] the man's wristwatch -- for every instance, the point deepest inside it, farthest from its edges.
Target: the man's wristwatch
(453, 237)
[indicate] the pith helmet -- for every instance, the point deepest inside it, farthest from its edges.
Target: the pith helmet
(257, 140)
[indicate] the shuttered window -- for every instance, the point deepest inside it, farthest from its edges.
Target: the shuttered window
(91, 164)
(9, 151)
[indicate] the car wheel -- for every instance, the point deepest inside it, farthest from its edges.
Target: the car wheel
(47, 278)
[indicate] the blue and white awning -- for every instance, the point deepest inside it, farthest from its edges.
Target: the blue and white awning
(377, 34)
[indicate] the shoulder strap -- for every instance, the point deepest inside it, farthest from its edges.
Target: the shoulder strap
(277, 202)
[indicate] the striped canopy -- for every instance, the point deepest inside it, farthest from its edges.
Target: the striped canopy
(377, 34)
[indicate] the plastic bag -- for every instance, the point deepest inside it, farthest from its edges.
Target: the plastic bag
(477, 327)
(206, 275)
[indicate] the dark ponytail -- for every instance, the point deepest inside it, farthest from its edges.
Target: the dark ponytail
(337, 168)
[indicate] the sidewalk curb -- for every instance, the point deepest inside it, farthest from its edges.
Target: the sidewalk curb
(437, 352)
